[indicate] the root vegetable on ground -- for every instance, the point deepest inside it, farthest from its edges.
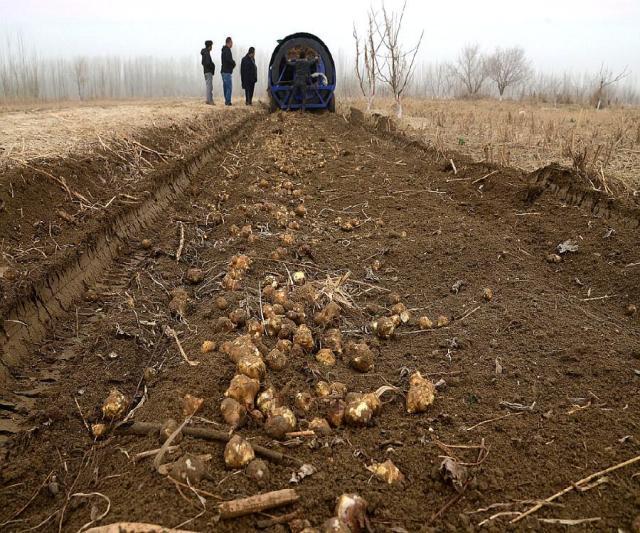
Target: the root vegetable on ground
(243, 389)
(258, 471)
(238, 452)
(334, 525)
(207, 347)
(252, 366)
(383, 327)
(320, 426)
(335, 413)
(268, 400)
(424, 322)
(195, 275)
(115, 406)
(240, 347)
(233, 413)
(179, 302)
(360, 357)
(276, 360)
(387, 472)
(281, 421)
(304, 338)
(303, 401)
(358, 412)
(322, 389)
(351, 509)
(325, 357)
(328, 316)
(332, 339)
(191, 405)
(189, 470)
(421, 393)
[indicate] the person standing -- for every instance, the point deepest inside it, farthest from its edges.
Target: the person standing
(226, 69)
(249, 74)
(209, 70)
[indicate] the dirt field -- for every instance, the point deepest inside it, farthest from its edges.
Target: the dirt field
(535, 360)
(529, 136)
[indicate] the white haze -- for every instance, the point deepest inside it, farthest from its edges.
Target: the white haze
(88, 49)
(558, 35)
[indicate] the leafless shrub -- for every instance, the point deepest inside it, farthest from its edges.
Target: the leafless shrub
(367, 59)
(395, 65)
(507, 67)
(604, 79)
(470, 69)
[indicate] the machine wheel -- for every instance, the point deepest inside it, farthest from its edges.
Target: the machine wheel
(332, 104)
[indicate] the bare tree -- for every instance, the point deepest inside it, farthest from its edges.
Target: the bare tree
(367, 59)
(604, 79)
(395, 65)
(81, 74)
(470, 69)
(507, 67)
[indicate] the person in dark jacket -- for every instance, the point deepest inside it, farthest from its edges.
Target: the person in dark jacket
(302, 71)
(226, 69)
(209, 70)
(249, 74)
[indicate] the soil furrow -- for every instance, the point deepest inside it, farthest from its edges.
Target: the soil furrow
(540, 370)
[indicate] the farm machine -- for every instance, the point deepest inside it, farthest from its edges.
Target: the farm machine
(319, 87)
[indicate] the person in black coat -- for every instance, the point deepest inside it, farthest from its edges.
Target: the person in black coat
(249, 74)
(209, 70)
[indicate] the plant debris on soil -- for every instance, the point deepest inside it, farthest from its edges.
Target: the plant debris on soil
(324, 332)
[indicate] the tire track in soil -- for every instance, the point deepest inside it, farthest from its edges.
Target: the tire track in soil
(554, 347)
(51, 297)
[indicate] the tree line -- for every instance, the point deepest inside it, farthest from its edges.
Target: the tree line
(383, 59)
(379, 65)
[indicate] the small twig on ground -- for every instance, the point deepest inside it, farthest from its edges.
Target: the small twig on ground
(453, 166)
(157, 462)
(21, 510)
(150, 453)
(181, 244)
(491, 420)
(282, 519)
(574, 486)
(99, 517)
(484, 177)
(569, 521)
(171, 333)
(469, 313)
(84, 420)
(518, 406)
(449, 503)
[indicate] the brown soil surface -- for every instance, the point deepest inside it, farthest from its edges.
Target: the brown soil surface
(50, 207)
(555, 343)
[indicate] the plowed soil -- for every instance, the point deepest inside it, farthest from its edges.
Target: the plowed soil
(538, 385)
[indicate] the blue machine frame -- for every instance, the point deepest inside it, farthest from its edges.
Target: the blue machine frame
(319, 95)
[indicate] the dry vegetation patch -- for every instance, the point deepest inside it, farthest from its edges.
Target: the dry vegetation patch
(28, 134)
(599, 142)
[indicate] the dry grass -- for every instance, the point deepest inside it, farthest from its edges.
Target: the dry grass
(27, 134)
(603, 145)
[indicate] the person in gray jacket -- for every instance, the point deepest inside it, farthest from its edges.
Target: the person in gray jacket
(209, 70)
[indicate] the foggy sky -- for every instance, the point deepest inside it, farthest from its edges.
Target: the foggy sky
(558, 35)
